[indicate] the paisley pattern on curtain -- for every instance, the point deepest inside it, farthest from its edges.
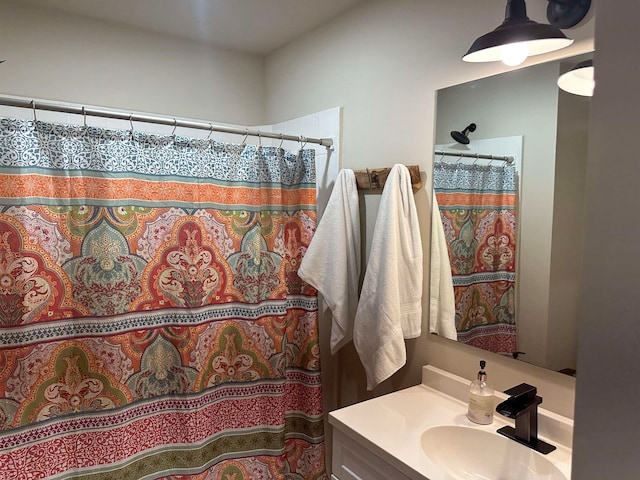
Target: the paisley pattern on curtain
(478, 208)
(152, 322)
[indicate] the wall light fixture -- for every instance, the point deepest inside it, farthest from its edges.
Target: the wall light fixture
(518, 37)
(579, 80)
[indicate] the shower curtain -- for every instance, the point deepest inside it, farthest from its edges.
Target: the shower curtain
(152, 322)
(478, 206)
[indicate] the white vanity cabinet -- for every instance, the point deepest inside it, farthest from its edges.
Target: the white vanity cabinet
(352, 461)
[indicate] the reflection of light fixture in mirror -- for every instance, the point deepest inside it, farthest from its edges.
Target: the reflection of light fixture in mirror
(579, 80)
(461, 137)
(518, 37)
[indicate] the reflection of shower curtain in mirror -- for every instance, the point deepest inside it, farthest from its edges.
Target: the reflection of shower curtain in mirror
(478, 206)
(152, 321)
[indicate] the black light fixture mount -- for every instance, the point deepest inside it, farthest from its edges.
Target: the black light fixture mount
(564, 14)
(519, 37)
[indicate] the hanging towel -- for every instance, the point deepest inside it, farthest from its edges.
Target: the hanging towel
(332, 262)
(442, 303)
(390, 307)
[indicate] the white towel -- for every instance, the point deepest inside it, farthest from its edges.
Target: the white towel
(390, 307)
(332, 261)
(442, 302)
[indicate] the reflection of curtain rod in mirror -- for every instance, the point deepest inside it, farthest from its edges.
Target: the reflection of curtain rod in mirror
(503, 158)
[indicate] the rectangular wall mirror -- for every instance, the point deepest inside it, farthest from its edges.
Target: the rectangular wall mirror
(513, 231)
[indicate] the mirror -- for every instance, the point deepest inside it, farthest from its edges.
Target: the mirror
(529, 309)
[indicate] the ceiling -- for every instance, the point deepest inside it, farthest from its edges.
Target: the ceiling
(252, 26)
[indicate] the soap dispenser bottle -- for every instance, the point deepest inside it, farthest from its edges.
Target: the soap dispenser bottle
(481, 400)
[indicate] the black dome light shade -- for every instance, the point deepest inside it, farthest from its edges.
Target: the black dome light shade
(518, 36)
(579, 80)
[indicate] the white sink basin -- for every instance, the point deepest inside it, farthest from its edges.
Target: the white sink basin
(470, 453)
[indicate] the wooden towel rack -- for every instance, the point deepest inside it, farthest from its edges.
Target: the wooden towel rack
(375, 178)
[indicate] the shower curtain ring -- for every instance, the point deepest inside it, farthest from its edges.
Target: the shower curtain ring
(281, 140)
(84, 117)
(303, 142)
(131, 122)
(369, 178)
(33, 105)
(210, 131)
(175, 125)
(246, 134)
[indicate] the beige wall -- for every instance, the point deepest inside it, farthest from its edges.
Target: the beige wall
(607, 397)
(55, 56)
(383, 61)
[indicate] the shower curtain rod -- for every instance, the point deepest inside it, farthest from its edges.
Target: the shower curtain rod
(503, 158)
(160, 120)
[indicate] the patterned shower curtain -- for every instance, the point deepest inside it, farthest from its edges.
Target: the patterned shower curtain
(152, 322)
(478, 206)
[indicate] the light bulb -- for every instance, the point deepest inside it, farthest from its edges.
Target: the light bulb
(513, 54)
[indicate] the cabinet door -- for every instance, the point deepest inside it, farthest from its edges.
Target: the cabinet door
(352, 461)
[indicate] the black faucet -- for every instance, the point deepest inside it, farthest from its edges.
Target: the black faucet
(522, 405)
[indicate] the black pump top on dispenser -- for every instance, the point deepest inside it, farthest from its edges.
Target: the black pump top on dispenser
(482, 375)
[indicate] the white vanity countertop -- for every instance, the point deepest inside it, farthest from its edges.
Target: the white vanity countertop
(391, 427)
